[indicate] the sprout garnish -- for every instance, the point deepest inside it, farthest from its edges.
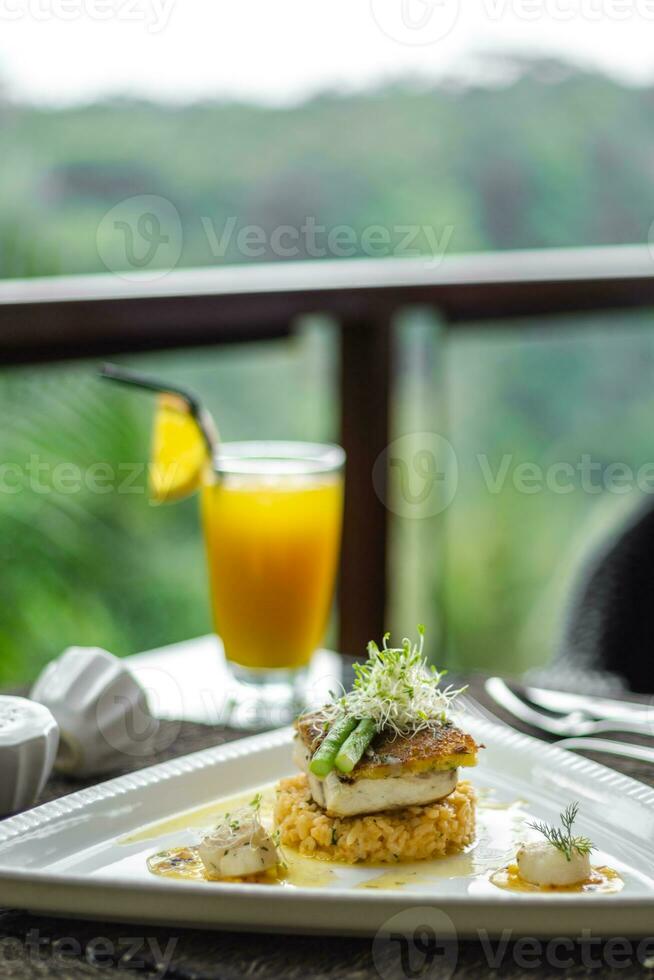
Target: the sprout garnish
(397, 690)
(240, 827)
(394, 691)
(563, 840)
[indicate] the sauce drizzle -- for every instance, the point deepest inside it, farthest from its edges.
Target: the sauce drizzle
(602, 881)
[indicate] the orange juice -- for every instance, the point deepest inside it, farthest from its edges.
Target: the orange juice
(272, 546)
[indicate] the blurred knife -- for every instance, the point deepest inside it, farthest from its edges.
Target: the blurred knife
(613, 710)
(643, 753)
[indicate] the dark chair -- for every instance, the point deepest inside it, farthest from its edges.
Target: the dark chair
(610, 624)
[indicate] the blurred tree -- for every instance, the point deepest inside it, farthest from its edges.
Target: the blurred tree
(552, 156)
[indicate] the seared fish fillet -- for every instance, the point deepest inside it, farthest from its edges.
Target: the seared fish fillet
(394, 772)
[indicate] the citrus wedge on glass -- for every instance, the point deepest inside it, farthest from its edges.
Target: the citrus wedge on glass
(180, 450)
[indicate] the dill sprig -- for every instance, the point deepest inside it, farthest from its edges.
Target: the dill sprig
(563, 839)
(397, 690)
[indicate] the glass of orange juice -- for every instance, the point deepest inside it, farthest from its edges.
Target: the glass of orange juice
(272, 514)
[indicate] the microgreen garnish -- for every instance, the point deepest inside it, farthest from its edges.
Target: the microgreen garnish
(240, 827)
(397, 689)
(563, 840)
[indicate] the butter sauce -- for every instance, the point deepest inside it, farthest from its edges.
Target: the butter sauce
(184, 863)
(205, 816)
(500, 827)
(602, 881)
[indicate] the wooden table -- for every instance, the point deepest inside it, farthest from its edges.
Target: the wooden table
(35, 947)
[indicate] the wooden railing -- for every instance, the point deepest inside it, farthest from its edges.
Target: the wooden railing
(89, 316)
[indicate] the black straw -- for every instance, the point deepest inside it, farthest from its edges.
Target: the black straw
(111, 372)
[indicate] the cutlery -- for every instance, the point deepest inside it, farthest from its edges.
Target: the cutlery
(575, 724)
(626, 750)
(641, 752)
(565, 702)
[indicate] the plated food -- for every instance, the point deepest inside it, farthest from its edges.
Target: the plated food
(562, 858)
(239, 845)
(379, 784)
(380, 768)
(559, 861)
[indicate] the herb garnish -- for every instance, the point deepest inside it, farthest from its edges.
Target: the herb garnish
(397, 689)
(563, 840)
(243, 826)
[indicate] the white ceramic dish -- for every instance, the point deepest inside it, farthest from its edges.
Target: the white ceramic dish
(74, 856)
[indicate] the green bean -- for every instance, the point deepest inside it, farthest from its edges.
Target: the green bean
(322, 762)
(355, 745)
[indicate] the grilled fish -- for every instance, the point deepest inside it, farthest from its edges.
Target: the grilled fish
(394, 772)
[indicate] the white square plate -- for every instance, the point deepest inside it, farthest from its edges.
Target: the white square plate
(82, 856)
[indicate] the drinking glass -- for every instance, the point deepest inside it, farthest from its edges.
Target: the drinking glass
(272, 515)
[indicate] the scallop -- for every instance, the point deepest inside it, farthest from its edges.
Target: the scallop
(248, 851)
(541, 863)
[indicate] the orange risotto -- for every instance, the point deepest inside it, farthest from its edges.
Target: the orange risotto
(415, 833)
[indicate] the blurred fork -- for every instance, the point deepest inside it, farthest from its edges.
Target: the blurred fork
(626, 750)
(643, 753)
(573, 725)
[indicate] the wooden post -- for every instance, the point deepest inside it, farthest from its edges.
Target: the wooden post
(365, 433)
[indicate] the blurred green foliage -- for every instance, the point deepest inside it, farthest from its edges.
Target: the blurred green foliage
(86, 558)
(557, 157)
